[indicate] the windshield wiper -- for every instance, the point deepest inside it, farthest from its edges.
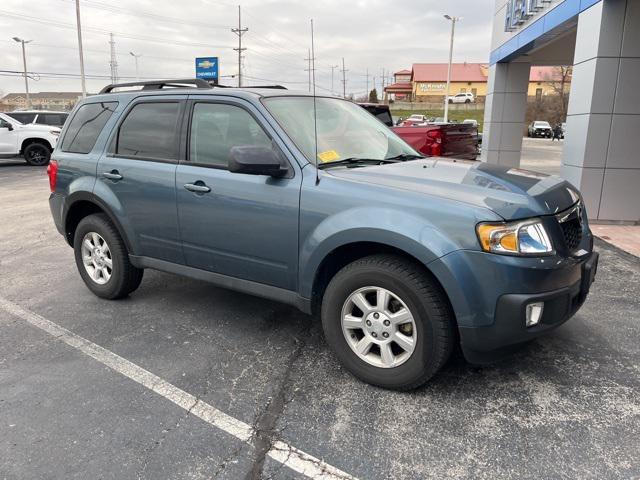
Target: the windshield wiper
(354, 161)
(403, 157)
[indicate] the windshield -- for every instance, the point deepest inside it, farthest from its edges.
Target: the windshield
(542, 124)
(345, 130)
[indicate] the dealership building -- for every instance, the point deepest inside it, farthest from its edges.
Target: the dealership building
(601, 39)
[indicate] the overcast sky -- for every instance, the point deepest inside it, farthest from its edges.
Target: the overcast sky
(369, 34)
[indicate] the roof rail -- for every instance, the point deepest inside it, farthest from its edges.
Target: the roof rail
(160, 84)
(275, 87)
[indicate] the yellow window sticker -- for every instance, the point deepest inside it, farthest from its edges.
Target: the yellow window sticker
(328, 156)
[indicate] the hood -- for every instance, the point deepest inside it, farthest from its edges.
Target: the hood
(32, 127)
(512, 193)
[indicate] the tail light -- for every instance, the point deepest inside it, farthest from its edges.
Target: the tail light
(52, 171)
(436, 142)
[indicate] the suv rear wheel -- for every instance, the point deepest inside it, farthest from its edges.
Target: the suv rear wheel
(102, 258)
(37, 154)
(388, 322)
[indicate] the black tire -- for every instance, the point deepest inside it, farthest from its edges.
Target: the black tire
(435, 334)
(125, 278)
(450, 101)
(467, 101)
(37, 154)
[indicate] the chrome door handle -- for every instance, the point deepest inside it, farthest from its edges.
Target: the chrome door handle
(112, 175)
(197, 187)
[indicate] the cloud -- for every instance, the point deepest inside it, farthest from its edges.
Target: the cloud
(370, 34)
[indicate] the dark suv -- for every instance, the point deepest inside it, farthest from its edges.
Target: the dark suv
(401, 256)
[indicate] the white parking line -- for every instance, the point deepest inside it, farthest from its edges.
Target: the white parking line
(282, 452)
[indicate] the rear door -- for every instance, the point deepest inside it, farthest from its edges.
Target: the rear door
(239, 225)
(137, 173)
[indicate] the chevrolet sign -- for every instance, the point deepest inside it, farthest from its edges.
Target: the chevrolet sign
(207, 67)
(519, 12)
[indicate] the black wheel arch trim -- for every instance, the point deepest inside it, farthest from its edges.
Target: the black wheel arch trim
(76, 197)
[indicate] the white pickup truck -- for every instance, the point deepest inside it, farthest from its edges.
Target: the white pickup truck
(34, 142)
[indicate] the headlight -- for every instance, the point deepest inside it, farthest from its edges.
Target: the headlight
(527, 237)
(54, 132)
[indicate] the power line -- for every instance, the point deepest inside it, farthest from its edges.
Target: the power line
(139, 13)
(57, 24)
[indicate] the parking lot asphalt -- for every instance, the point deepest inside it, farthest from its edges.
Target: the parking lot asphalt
(542, 155)
(565, 406)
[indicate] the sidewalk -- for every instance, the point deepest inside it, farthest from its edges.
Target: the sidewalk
(625, 237)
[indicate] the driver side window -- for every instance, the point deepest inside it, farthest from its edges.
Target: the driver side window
(216, 128)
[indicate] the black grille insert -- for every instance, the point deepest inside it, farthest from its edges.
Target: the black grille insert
(571, 225)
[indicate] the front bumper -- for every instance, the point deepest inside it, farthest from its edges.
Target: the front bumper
(489, 343)
(489, 294)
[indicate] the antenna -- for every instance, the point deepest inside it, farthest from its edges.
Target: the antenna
(315, 114)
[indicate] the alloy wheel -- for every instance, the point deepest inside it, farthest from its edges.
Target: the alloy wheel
(379, 327)
(96, 257)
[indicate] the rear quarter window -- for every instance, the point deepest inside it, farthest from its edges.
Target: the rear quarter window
(55, 119)
(85, 126)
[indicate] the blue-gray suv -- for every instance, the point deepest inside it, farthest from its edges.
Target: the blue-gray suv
(313, 202)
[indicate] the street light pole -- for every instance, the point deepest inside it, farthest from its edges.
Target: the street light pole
(446, 93)
(79, 28)
(24, 64)
(136, 56)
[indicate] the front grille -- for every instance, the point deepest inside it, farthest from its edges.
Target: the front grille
(571, 224)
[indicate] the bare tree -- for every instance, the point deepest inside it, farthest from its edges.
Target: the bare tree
(560, 81)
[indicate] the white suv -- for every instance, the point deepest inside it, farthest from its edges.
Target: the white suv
(34, 142)
(40, 117)
(467, 97)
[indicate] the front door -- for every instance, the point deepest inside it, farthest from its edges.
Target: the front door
(8, 138)
(138, 172)
(240, 225)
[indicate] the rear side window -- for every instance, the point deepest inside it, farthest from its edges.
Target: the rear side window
(218, 127)
(150, 131)
(56, 119)
(86, 125)
(23, 117)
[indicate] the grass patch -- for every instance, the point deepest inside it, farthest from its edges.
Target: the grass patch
(458, 115)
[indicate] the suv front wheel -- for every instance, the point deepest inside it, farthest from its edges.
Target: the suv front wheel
(388, 321)
(102, 258)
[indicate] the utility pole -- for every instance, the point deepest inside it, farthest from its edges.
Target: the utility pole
(332, 67)
(239, 31)
(113, 63)
(309, 68)
(446, 93)
(136, 56)
(79, 28)
(344, 80)
(367, 80)
(24, 64)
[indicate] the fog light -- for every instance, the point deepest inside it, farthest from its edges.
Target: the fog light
(534, 313)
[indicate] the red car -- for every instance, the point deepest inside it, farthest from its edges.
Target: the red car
(456, 140)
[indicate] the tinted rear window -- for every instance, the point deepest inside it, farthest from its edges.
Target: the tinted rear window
(86, 125)
(56, 119)
(23, 117)
(150, 131)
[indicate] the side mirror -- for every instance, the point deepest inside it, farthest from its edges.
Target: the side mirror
(254, 160)
(6, 125)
